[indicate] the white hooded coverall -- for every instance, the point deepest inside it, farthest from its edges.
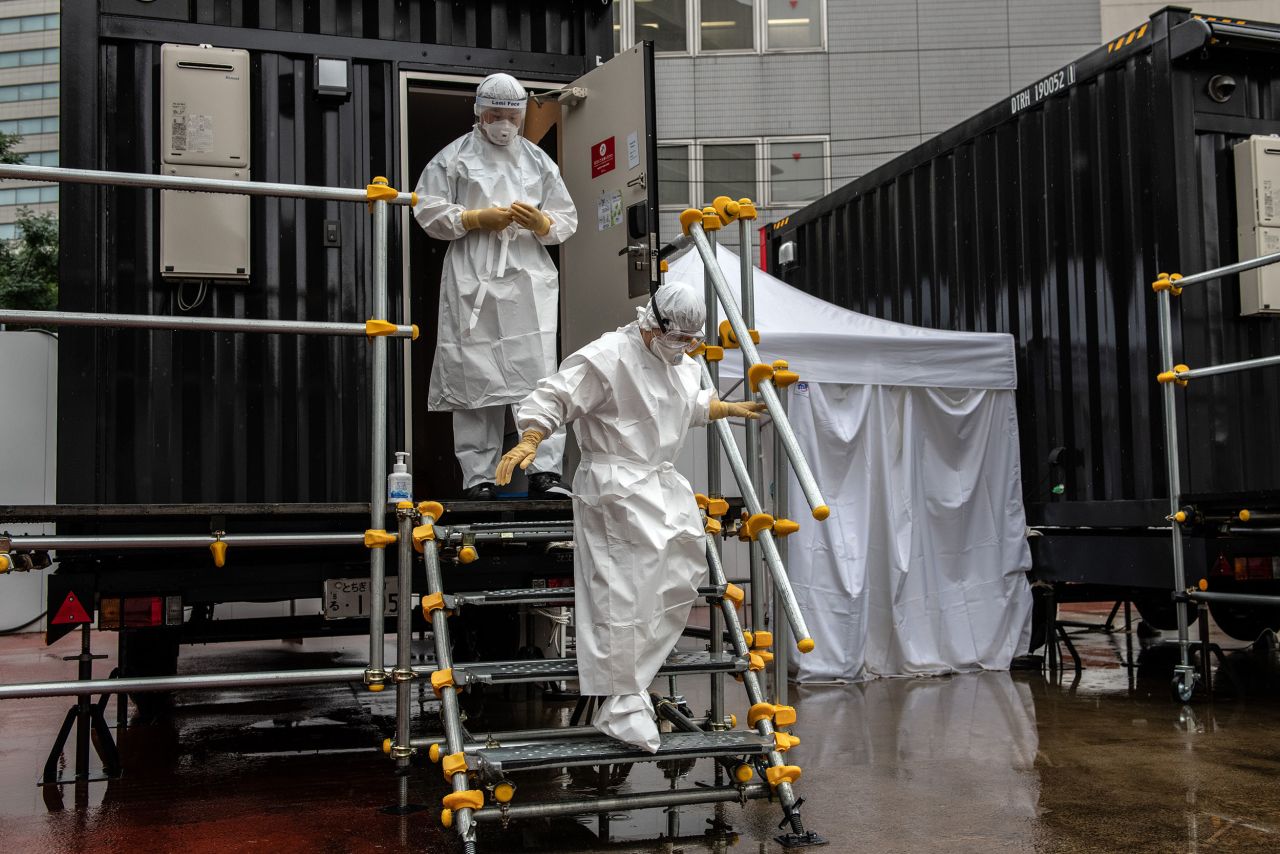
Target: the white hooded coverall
(498, 290)
(640, 552)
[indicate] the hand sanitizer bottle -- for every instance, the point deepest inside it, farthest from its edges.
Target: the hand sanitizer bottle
(400, 481)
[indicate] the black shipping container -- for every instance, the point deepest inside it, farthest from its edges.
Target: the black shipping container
(263, 432)
(1048, 216)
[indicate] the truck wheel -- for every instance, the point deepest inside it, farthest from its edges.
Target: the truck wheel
(1244, 622)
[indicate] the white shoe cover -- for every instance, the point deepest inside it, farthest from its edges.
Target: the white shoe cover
(629, 718)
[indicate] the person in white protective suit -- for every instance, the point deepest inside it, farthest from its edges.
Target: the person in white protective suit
(632, 396)
(500, 200)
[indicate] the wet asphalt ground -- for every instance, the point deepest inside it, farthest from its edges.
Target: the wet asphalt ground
(986, 762)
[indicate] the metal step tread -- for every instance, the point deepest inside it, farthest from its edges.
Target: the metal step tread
(600, 750)
(555, 669)
(539, 596)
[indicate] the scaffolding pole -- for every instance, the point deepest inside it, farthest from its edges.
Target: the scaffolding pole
(203, 324)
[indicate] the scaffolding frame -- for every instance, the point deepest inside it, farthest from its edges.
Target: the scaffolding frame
(1174, 376)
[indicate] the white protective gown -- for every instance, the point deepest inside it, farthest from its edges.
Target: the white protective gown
(498, 290)
(640, 552)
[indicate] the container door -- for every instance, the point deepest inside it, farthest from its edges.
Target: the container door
(608, 157)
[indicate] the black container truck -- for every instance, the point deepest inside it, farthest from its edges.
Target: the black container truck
(184, 432)
(1048, 216)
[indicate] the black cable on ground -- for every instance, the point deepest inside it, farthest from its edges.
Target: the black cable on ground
(16, 629)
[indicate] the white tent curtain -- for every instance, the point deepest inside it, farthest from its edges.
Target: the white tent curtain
(913, 437)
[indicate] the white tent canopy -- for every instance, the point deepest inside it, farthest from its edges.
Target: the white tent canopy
(913, 437)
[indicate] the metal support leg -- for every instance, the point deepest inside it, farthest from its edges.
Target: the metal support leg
(89, 719)
(402, 748)
(1184, 680)
(376, 673)
(755, 468)
(781, 484)
(450, 713)
(714, 490)
(786, 795)
(1206, 648)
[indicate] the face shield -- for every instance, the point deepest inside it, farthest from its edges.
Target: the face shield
(500, 108)
(675, 314)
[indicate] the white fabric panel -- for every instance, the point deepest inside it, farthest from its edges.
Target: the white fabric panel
(920, 568)
(826, 343)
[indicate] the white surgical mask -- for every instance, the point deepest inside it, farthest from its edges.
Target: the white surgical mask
(667, 351)
(500, 132)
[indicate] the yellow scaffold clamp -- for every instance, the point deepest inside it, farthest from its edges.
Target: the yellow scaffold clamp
(746, 209)
(726, 208)
(421, 534)
(218, 549)
(1167, 282)
(735, 594)
(729, 339)
(381, 191)
(784, 741)
(440, 680)
(710, 352)
(431, 604)
(780, 715)
(454, 763)
(471, 799)
(688, 217)
(757, 374)
(710, 219)
(782, 774)
(377, 539)
(785, 527)
(1173, 376)
(753, 525)
(782, 375)
(6, 563)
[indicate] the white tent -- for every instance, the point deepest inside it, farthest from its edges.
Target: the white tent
(913, 437)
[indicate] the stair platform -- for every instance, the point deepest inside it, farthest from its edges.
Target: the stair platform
(494, 762)
(541, 596)
(556, 669)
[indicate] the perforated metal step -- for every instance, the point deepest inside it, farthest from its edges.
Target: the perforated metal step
(540, 596)
(555, 669)
(494, 762)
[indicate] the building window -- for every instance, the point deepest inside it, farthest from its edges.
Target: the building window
(794, 24)
(797, 170)
(729, 169)
(774, 172)
(29, 127)
(29, 24)
(39, 56)
(8, 231)
(726, 25)
(41, 158)
(663, 22)
(28, 196)
(675, 180)
(721, 26)
(29, 92)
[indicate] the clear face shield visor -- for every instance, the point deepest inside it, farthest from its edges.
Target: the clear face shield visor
(672, 337)
(501, 120)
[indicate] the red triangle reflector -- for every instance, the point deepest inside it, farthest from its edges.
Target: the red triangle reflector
(71, 611)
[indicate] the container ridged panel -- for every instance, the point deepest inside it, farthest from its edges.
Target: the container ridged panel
(1051, 224)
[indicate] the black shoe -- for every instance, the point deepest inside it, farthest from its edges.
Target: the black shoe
(547, 484)
(481, 492)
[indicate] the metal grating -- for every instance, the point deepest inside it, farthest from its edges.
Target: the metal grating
(495, 761)
(554, 669)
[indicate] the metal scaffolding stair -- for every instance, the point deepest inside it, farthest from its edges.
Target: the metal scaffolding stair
(748, 763)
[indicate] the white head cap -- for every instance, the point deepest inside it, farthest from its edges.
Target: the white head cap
(679, 304)
(501, 91)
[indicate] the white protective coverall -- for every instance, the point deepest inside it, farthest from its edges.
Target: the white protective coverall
(498, 290)
(640, 552)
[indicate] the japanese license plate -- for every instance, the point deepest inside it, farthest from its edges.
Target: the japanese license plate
(347, 598)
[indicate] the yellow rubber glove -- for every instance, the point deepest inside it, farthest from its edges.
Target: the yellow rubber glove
(735, 409)
(490, 219)
(528, 216)
(521, 455)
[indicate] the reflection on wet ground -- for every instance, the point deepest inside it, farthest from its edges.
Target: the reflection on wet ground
(968, 763)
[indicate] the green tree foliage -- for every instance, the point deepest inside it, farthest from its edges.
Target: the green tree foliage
(28, 263)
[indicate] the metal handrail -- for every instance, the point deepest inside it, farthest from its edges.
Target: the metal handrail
(205, 324)
(23, 172)
(768, 393)
(1228, 270)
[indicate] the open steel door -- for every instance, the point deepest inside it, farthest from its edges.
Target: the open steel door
(608, 157)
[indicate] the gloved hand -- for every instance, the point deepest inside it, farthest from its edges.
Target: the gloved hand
(528, 216)
(521, 455)
(736, 409)
(490, 219)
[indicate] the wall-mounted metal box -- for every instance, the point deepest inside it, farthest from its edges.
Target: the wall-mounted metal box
(1257, 162)
(204, 132)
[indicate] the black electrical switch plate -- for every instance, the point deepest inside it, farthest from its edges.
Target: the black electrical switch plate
(332, 234)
